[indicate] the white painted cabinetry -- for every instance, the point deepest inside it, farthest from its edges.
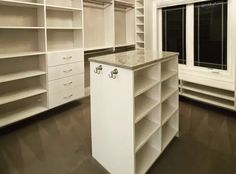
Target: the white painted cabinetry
(134, 114)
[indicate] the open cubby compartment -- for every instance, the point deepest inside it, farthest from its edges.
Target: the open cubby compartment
(146, 78)
(140, 37)
(206, 98)
(22, 67)
(65, 19)
(147, 101)
(139, 11)
(211, 91)
(124, 26)
(64, 39)
(140, 19)
(168, 69)
(139, 45)
(169, 87)
(170, 130)
(20, 89)
(98, 33)
(148, 154)
(17, 17)
(21, 41)
(65, 3)
(140, 28)
(139, 3)
(22, 109)
(169, 107)
(147, 126)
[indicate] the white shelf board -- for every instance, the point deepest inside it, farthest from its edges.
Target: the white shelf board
(20, 94)
(145, 158)
(125, 45)
(139, 16)
(20, 75)
(143, 132)
(20, 54)
(140, 32)
(143, 106)
(142, 84)
(167, 112)
(167, 74)
(138, 41)
(227, 95)
(125, 4)
(166, 92)
(209, 99)
(139, 23)
(62, 8)
(98, 48)
(20, 3)
(21, 113)
(64, 28)
(21, 28)
(168, 133)
(64, 50)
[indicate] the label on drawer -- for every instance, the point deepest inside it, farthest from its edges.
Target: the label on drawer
(67, 70)
(60, 58)
(57, 99)
(72, 82)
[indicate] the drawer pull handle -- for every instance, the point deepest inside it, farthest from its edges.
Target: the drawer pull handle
(67, 71)
(113, 74)
(68, 84)
(67, 97)
(67, 58)
(98, 69)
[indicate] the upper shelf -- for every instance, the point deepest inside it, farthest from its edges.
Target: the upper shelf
(21, 3)
(123, 4)
(62, 8)
(99, 2)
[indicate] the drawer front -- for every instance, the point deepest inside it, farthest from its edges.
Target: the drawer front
(57, 99)
(72, 82)
(62, 71)
(61, 58)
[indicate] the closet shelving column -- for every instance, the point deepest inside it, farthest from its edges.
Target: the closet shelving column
(140, 21)
(156, 112)
(22, 60)
(98, 24)
(124, 23)
(65, 56)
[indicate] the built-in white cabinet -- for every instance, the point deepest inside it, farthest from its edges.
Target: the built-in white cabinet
(135, 112)
(41, 56)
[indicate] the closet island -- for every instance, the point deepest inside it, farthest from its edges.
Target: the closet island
(134, 108)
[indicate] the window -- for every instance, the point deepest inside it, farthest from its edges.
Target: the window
(210, 34)
(174, 31)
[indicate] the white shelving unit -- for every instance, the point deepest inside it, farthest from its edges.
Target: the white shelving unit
(206, 94)
(138, 115)
(140, 24)
(124, 23)
(35, 37)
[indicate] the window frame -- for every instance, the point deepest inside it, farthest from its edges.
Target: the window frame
(226, 75)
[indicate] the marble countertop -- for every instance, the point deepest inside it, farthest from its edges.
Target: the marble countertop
(133, 59)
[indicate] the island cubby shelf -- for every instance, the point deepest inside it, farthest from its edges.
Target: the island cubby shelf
(34, 34)
(139, 112)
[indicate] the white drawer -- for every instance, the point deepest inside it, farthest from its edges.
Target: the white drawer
(62, 71)
(72, 82)
(57, 99)
(60, 58)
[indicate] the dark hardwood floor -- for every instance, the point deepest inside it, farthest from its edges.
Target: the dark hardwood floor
(58, 142)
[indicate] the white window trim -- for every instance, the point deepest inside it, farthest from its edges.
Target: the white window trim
(223, 75)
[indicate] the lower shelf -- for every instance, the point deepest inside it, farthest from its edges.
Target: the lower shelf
(21, 113)
(168, 133)
(209, 99)
(145, 158)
